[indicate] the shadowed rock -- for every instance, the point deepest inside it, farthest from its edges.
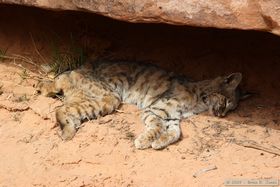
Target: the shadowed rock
(238, 14)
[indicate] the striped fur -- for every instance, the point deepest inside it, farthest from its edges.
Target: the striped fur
(163, 97)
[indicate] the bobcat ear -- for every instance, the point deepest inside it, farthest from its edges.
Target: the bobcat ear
(233, 80)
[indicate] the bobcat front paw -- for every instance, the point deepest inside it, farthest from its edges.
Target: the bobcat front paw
(162, 142)
(142, 142)
(166, 139)
(68, 133)
(157, 144)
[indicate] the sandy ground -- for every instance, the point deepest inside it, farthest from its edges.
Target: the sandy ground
(102, 153)
(243, 145)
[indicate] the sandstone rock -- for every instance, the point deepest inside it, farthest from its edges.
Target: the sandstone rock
(239, 14)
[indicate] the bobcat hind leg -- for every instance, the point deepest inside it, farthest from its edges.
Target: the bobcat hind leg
(71, 115)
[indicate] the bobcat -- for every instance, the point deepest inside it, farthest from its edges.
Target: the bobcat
(163, 97)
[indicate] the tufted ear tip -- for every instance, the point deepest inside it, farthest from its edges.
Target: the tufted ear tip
(233, 80)
(245, 94)
(234, 76)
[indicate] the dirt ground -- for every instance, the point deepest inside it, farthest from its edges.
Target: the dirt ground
(102, 153)
(243, 145)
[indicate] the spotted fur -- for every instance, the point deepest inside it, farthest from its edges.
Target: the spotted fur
(163, 97)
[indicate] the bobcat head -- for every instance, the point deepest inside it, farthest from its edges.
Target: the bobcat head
(224, 94)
